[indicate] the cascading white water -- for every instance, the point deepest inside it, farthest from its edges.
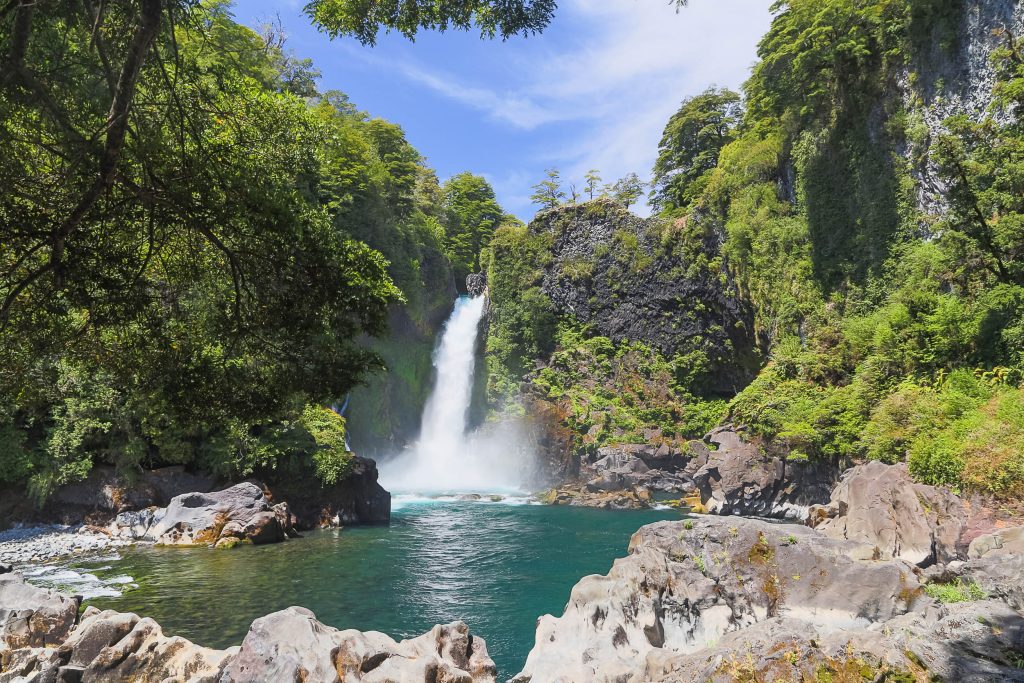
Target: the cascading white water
(446, 459)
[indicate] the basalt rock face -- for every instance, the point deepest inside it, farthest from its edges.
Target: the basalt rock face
(954, 74)
(358, 499)
(715, 599)
(609, 270)
(476, 284)
(881, 506)
(290, 645)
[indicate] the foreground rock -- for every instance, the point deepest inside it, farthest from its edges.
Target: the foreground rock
(882, 507)
(739, 599)
(42, 638)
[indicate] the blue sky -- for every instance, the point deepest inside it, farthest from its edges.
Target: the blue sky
(593, 91)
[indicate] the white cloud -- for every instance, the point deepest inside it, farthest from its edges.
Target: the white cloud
(630, 64)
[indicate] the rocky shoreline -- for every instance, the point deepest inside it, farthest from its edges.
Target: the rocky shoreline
(44, 638)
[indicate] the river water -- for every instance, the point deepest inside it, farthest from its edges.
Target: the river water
(496, 566)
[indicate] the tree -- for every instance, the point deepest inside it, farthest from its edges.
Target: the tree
(628, 190)
(363, 20)
(593, 182)
(472, 214)
(548, 193)
(690, 146)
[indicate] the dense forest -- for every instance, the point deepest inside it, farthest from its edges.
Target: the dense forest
(199, 246)
(197, 243)
(876, 250)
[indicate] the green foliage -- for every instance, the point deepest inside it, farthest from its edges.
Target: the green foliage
(363, 20)
(958, 591)
(627, 190)
(332, 459)
(548, 193)
(522, 322)
(472, 214)
(177, 289)
(611, 393)
(690, 145)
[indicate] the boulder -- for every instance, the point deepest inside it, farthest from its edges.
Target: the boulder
(725, 600)
(241, 512)
(357, 499)
(105, 490)
(291, 645)
(881, 506)
(686, 584)
(739, 478)
(1003, 542)
(32, 616)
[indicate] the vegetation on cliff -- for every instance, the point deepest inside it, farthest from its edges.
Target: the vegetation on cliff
(889, 325)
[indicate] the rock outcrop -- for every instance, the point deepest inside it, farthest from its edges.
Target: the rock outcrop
(716, 599)
(358, 499)
(740, 478)
(238, 514)
(43, 639)
(608, 270)
(292, 645)
(1008, 541)
(31, 616)
(882, 507)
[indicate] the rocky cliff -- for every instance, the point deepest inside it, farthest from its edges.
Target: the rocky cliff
(646, 280)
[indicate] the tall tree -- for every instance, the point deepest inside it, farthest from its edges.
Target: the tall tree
(690, 145)
(593, 182)
(548, 193)
(472, 214)
(628, 189)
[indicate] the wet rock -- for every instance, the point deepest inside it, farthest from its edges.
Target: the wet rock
(292, 645)
(476, 284)
(241, 512)
(739, 478)
(581, 496)
(881, 506)
(32, 616)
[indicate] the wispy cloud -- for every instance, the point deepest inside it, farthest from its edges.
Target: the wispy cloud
(626, 69)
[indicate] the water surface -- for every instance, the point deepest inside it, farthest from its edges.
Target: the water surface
(495, 566)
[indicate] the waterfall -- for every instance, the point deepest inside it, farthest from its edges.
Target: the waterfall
(446, 459)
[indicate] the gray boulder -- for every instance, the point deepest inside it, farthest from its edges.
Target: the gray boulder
(740, 478)
(687, 584)
(882, 507)
(241, 512)
(40, 641)
(727, 600)
(1003, 542)
(31, 616)
(292, 645)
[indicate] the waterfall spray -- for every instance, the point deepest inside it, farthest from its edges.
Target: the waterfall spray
(446, 459)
